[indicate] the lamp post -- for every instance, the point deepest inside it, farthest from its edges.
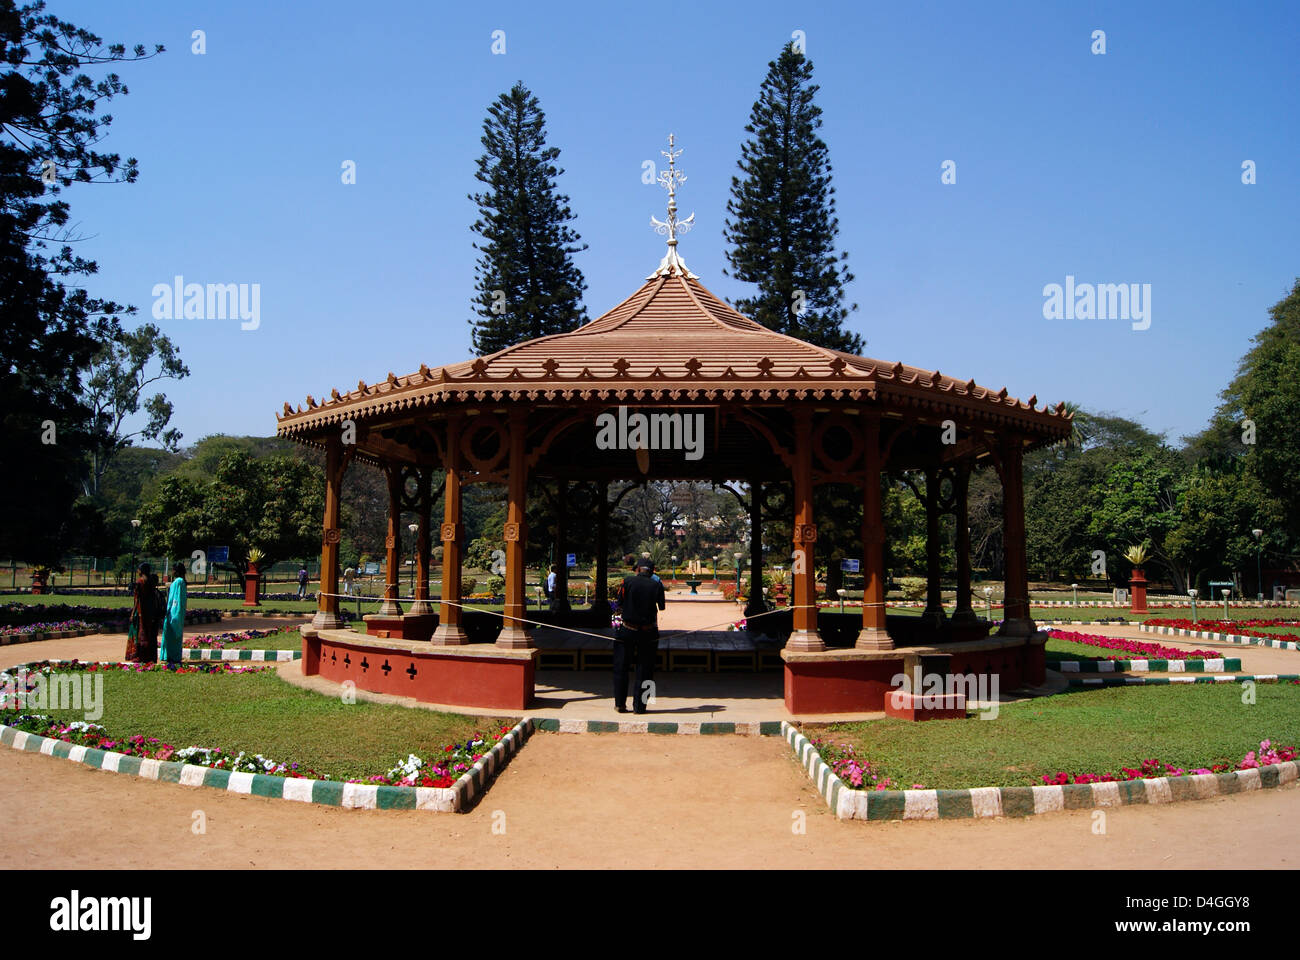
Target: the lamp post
(1226, 591)
(1259, 561)
(1192, 593)
(674, 566)
(988, 599)
(135, 544)
(737, 556)
(841, 591)
(415, 559)
(1075, 587)
(715, 567)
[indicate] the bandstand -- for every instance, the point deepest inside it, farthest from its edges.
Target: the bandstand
(772, 408)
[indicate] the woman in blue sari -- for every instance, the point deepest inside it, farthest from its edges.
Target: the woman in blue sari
(173, 626)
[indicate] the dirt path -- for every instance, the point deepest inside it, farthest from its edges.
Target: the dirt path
(605, 801)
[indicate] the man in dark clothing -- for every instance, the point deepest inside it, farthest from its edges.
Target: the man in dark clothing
(637, 640)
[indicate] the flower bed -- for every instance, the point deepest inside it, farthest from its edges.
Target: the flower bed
(1245, 628)
(1150, 651)
(855, 771)
(1266, 755)
(46, 627)
(442, 768)
(221, 640)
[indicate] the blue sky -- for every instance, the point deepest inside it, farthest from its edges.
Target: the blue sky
(1119, 168)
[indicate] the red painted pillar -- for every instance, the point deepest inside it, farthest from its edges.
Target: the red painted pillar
(1138, 596)
(252, 580)
(933, 615)
(392, 543)
(327, 602)
(874, 634)
(805, 635)
(450, 630)
(964, 613)
(1016, 619)
(514, 632)
(423, 545)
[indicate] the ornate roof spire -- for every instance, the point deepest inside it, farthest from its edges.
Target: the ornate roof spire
(669, 179)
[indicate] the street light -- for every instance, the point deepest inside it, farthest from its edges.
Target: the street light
(841, 591)
(1226, 591)
(415, 553)
(1075, 586)
(1259, 561)
(674, 566)
(737, 556)
(715, 567)
(1192, 593)
(135, 544)
(988, 599)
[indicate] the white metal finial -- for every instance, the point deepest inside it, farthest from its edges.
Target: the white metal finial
(671, 227)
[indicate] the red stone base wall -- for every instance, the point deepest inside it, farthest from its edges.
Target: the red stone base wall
(471, 678)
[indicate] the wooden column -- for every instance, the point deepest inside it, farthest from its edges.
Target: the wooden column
(451, 615)
(805, 635)
(423, 545)
(933, 615)
(755, 604)
(327, 604)
(561, 602)
(874, 634)
(393, 543)
(600, 603)
(961, 489)
(1016, 619)
(514, 632)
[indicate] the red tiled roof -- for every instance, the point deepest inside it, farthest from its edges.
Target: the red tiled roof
(671, 340)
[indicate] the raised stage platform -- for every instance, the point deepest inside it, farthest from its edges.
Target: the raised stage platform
(703, 651)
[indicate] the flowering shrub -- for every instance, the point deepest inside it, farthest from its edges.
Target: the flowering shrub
(741, 624)
(1266, 755)
(1150, 651)
(1247, 628)
(12, 696)
(856, 771)
(221, 640)
(46, 627)
(454, 760)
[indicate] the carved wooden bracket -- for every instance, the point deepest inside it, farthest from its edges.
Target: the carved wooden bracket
(333, 535)
(451, 532)
(513, 532)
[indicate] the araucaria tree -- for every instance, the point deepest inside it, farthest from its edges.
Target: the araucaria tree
(50, 124)
(781, 221)
(526, 281)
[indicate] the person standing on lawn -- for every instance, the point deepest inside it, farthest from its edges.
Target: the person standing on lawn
(302, 582)
(142, 636)
(637, 640)
(173, 625)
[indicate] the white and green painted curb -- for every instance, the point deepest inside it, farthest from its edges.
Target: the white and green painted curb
(751, 728)
(1221, 637)
(1162, 681)
(239, 654)
(356, 796)
(1219, 665)
(981, 802)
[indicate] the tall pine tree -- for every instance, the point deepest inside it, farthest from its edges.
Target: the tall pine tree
(782, 224)
(527, 284)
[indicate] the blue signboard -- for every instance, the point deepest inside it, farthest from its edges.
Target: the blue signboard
(218, 554)
(570, 559)
(850, 566)
(372, 567)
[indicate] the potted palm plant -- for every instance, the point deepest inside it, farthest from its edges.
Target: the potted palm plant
(1137, 555)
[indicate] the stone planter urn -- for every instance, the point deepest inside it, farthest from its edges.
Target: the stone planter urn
(250, 586)
(1138, 592)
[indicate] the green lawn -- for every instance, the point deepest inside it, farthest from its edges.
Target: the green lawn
(260, 713)
(1083, 731)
